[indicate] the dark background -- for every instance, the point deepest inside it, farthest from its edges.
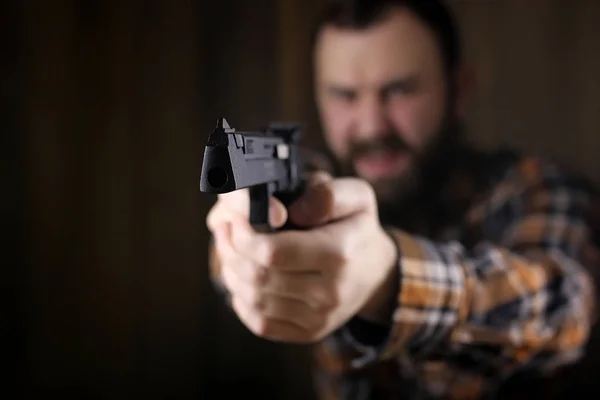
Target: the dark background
(106, 108)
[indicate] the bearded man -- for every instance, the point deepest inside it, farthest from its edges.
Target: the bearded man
(426, 268)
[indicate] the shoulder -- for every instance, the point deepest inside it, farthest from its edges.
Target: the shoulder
(542, 197)
(519, 184)
(530, 172)
(532, 181)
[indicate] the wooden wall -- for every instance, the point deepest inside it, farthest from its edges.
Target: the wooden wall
(109, 105)
(538, 86)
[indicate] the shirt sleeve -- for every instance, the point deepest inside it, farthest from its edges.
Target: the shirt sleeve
(524, 301)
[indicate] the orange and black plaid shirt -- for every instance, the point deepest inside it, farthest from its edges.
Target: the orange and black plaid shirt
(500, 283)
(497, 275)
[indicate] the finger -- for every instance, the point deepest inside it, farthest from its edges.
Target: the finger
(278, 311)
(236, 201)
(310, 207)
(317, 177)
(216, 251)
(268, 328)
(308, 251)
(244, 268)
(308, 287)
(333, 200)
(222, 237)
(238, 288)
(247, 271)
(237, 204)
(293, 311)
(251, 281)
(241, 276)
(280, 308)
(220, 214)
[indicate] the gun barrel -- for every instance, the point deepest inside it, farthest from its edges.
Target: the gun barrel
(236, 160)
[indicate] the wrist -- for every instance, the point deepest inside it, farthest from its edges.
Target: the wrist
(382, 303)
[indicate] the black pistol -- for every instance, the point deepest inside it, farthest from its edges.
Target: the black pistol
(267, 162)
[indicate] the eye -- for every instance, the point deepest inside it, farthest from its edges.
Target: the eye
(345, 95)
(399, 88)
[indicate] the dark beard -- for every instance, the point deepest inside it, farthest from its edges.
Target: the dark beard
(418, 186)
(422, 188)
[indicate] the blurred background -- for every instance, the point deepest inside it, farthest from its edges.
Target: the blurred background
(106, 109)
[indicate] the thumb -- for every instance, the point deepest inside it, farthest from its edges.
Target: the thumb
(333, 200)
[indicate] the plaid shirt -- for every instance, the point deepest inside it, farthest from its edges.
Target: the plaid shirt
(500, 284)
(496, 279)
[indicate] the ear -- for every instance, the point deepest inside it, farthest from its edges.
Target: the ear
(466, 81)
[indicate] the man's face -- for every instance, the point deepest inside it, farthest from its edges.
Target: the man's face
(382, 98)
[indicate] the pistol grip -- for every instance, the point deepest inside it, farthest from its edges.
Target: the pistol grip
(259, 206)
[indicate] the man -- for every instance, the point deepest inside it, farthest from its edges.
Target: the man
(426, 269)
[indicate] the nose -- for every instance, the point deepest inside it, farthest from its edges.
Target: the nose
(372, 118)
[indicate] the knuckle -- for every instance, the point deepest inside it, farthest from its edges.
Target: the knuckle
(339, 257)
(269, 252)
(317, 324)
(211, 217)
(228, 207)
(236, 199)
(227, 278)
(223, 250)
(329, 302)
(320, 296)
(258, 275)
(255, 297)
(320, 178)
(330, 298)
(325, 189)
(262, 327)
(368, 191)
(317, 334)
(216, 215)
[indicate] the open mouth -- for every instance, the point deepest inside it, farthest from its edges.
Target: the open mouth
(381, 163)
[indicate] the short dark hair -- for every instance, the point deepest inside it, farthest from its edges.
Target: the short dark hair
(360, 14)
